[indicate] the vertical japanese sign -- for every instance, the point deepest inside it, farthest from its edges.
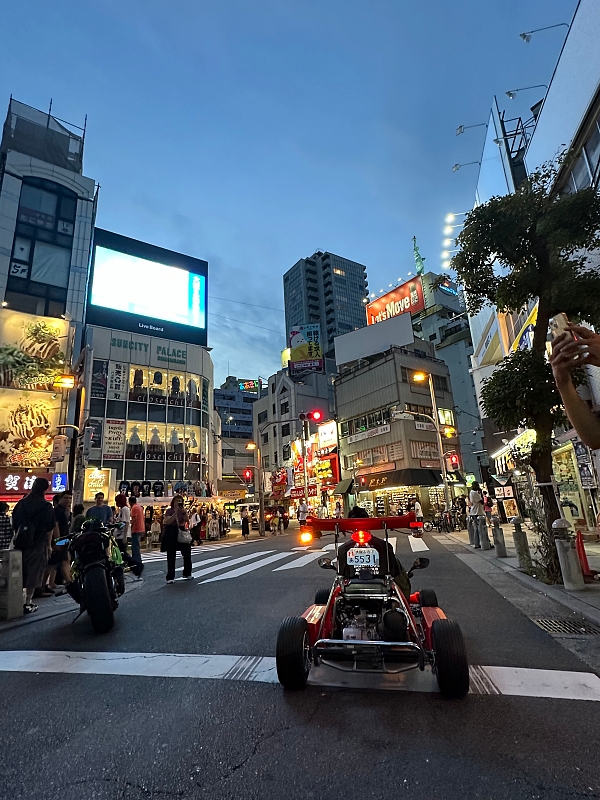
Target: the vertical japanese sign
(306, 352)
(114, 439)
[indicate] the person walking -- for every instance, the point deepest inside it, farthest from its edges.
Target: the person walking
(177, 537)
(33, 524)
(138, 529)
(59, 557)
(6, 531)
(195, 526)
(121, 535)
(488, 507)
(302, 512)
(477, 514)
(245, 522)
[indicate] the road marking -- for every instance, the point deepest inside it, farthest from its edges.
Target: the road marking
(248, 568)
(417, 545)
(485, 680)
(300, 562)
(206, 561)
(198, 573)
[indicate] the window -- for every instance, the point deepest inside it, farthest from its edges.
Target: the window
(427, 450)
(275, 457)
(396, 451)
(274, 431)
(265, 462)
(404, 374)
(228, 452)
(340, 272)
(440, 383)
(592, 148)
(287, 452)
(380, 455)
(274, 409)
(272, 388)
(262, 417)
(446, 416)
(581, 174)
(285, 408)
(344, 429)
(433, 337)
(50, 264)
(265, 437)
(285, 430)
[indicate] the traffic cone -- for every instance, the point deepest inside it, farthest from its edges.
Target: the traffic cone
(579, 546)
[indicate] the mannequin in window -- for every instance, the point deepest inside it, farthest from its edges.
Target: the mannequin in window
(134, 445)
(155, 446)
(175, 445)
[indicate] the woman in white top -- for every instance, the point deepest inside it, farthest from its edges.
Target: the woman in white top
(476, 512)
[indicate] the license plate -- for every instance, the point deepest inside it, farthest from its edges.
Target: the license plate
(363, 557)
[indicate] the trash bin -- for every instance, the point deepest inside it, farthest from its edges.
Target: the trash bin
(11, 584)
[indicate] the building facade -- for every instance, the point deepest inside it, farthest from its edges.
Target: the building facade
(328, 290)
(389, 460)
(233, 403)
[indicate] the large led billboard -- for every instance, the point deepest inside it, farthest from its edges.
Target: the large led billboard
(137, 287)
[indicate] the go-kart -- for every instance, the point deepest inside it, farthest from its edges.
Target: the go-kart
(365, 624)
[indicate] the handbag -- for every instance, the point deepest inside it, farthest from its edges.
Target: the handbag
(184, 536)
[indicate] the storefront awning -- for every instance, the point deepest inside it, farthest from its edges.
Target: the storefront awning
(455, 478)
(343, 487)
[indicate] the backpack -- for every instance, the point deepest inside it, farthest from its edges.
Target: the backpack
(25, 535)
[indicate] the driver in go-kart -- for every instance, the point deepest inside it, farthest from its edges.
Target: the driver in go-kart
(386, 557)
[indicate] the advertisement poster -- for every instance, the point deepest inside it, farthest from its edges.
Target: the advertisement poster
(408, 297)
(583, 457)
(118, 380)
(96, 480)
(96, 426)
(327, 433)
(99, 379)
(511, 508)
(114, 439)
(33, 350)
(28, 423)
(306, 352)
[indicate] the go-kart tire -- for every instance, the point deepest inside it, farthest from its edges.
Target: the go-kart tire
(322, 596)
(292, 655)
(98, 602)
(428, 598)
(451, 663)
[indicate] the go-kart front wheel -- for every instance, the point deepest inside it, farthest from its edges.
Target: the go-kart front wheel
(428, 598)
(322, 597)
(292, 656)
(451, 664)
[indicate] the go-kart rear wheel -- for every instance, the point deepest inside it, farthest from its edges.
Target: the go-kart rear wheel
(322, 596)
(292, 655)
(428, 598)
(451, 664)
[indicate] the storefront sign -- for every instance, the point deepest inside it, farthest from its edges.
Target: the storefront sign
(118, 380)
(32, 352)
(306, 352)
(327, 434)
(19, 483)
(408, 297)
(298, 491)
(233, 494)
(114, 439)
(28, 423)
(358, 437)
(425, 426)
(96, 480)
(249, 386)
(430, 463)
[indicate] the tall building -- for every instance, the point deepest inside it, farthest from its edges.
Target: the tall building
(328, 290)
(233, 403)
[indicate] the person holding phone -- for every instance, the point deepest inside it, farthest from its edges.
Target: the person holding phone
(175, 521)
(576, 346)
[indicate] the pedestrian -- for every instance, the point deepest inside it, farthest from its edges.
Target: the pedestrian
(488, 507)
(338, 510)
(476, 514)
(274, 524)
(6, 531)
(59, 557)
(33, 524)
(195, 526)
(245, 522)
(123, 519)
(100, 510)
(462, 505)
(417, 508)
(155, 531)
(78, 518)
(302, 512)
(138, 529)
(176, 537)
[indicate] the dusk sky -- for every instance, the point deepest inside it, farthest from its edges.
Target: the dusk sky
(251, 134)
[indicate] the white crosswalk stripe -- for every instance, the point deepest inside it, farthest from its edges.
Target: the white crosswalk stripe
(198, 573)
(248, 568)
(300, 562)
(417, 545)
(148, 558)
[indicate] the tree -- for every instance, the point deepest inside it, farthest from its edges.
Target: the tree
(533, 244)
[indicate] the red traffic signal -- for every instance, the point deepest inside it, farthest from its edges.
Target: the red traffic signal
(314, 416)
(453, 459)
(248, 475)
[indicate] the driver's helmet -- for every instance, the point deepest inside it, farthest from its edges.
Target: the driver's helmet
(92, 525)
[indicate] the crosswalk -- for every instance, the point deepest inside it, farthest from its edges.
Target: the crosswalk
(226, 565)
(150, 558)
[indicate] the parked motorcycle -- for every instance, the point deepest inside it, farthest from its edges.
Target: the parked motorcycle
(98, 572)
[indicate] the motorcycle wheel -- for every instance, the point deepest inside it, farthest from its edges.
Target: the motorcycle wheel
(292, 655)
(98, 602)
(451, 663)
(427, 526)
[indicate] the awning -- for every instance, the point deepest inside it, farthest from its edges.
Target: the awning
(455, 477)
(344, 486)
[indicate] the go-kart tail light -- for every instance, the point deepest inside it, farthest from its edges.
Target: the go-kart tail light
(306, 537)
(415, 524)
(361, 537)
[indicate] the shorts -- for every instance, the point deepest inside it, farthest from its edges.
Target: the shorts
(58, 556)
(35, 561)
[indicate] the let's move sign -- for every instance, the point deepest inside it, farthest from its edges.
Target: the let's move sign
(408, 297)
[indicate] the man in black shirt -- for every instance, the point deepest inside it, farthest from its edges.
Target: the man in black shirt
(34, 512)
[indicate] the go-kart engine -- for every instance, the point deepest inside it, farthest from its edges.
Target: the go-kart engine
(358, 623)
(387, 622)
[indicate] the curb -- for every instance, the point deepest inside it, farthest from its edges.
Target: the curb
(571, 601)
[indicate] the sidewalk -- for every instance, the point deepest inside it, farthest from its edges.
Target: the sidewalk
(586, 602)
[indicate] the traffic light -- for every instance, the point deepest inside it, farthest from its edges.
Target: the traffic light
(453, 461)
(248, 475)
(311, 416)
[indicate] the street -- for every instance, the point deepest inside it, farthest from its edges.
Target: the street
(127, 715)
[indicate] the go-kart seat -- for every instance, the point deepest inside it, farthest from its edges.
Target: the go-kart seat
(357, 587)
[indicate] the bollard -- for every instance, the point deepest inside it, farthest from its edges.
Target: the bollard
(498, 535)
(567, 556)
(484, 540)
(521, 545)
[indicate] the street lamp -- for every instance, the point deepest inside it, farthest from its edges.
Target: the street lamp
(463, 128)
(456, 167)
(229, 421)
(526, 36)
(512, 93)
(251, 445)
(422, 377)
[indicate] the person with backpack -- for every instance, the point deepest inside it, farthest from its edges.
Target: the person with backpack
(33, 524)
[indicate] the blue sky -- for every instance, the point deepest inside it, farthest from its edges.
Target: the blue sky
(253, 133)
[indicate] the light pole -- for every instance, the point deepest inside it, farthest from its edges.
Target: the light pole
(421, 377)
(228, 421)
(261, 495)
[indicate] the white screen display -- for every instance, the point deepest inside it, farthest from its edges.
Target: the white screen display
(148, 289)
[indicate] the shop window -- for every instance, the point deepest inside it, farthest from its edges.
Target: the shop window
(135, 443)
(379, 455)
(204, 394)
(155, 450)
(138, 384)
(176, 388)
(193, 417)
(157, 394)
(175, 414)
(97, 407)
(175, 443)
(193, 391)
(155, 470)
(192, 444)
(157, 413)
(116, 409)
(134, 471)
(446, 416)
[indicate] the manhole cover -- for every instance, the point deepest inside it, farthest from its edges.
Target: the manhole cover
(568, 626)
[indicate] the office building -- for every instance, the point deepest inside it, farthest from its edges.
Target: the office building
(233, 403)
(328, 290)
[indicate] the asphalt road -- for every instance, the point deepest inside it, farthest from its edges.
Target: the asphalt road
(106, 736)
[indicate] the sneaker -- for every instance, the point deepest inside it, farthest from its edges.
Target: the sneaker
(171, 581)
(477, 547)
(188, 577)
(29, 608)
